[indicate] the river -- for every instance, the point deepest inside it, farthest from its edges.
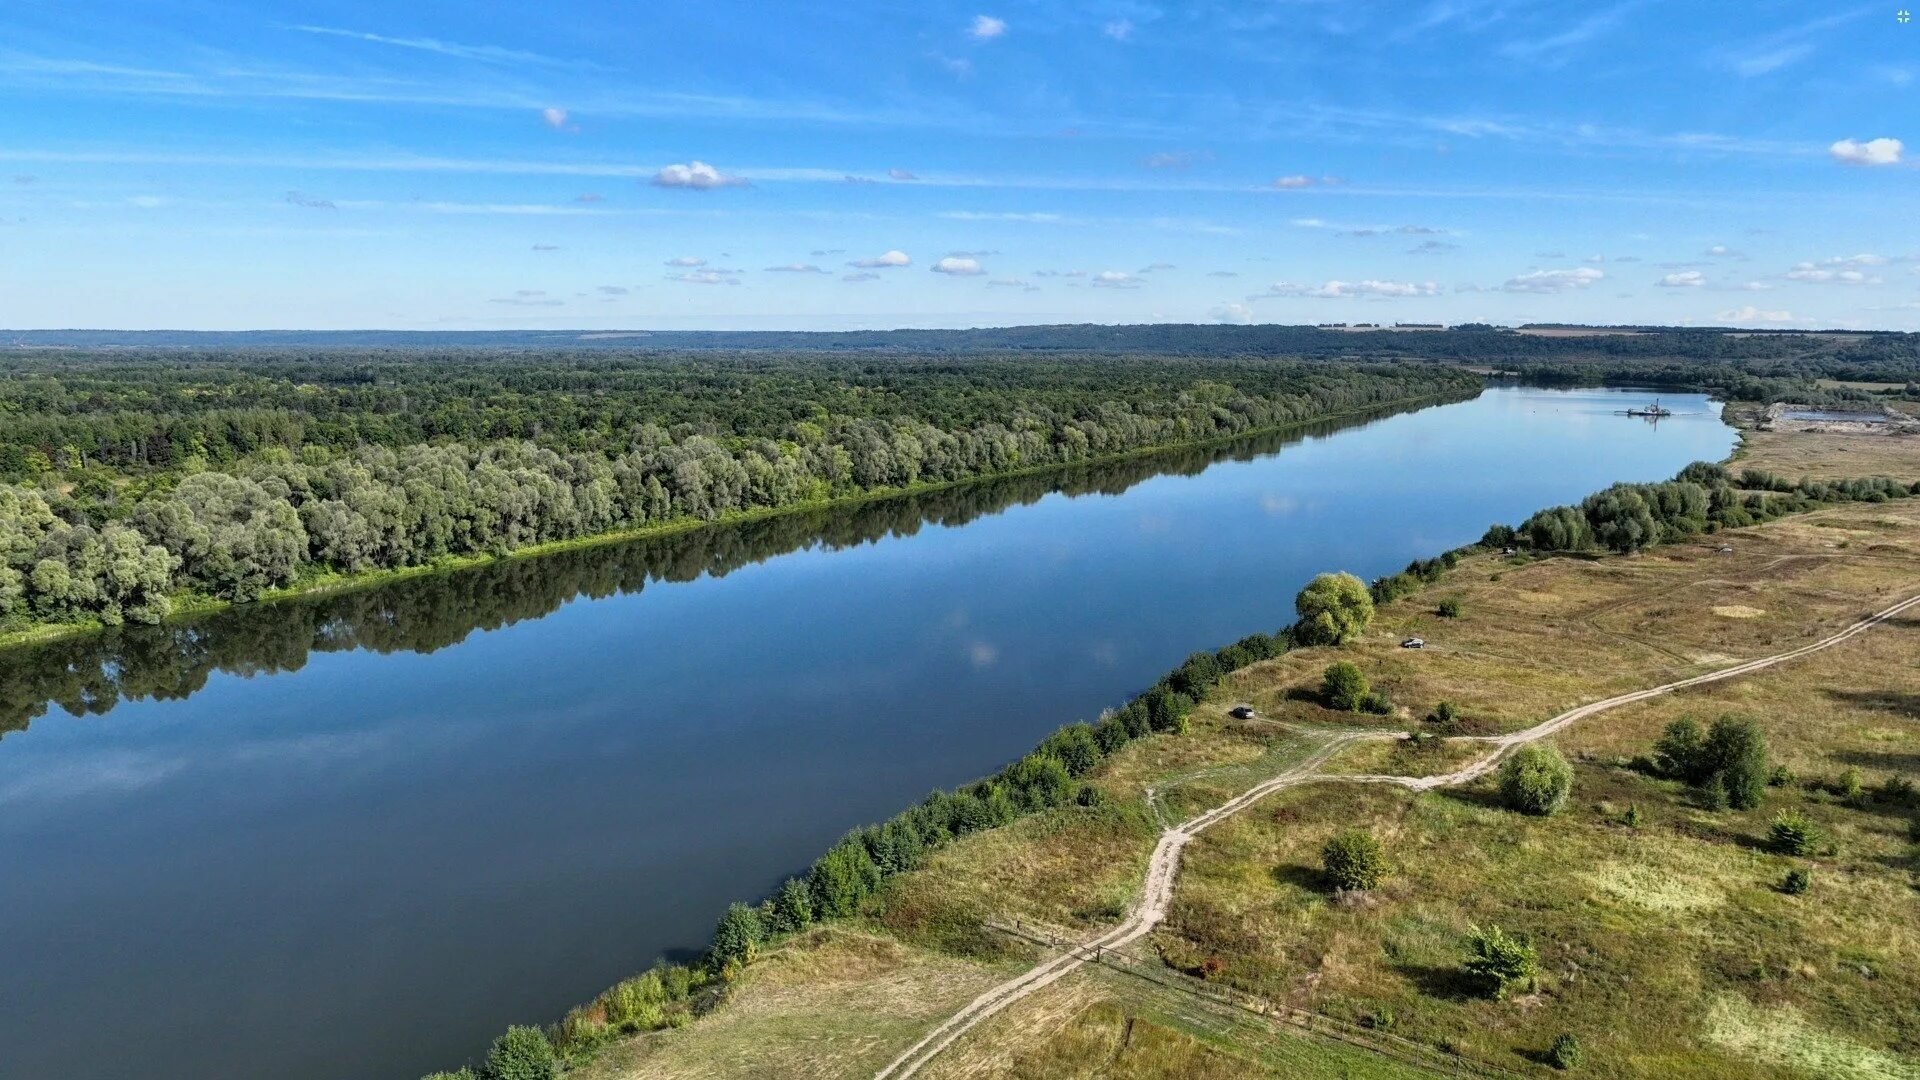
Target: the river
(355, 836)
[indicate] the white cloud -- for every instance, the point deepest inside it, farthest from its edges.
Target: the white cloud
(1294, 183)
(686, 260)
(1751, 314)
(900, 174)
(555, 118)
(958, 267)
(1685, 279)
(884, 261)
(1115, 279)
(1756, 286)
(1341, 290)
(986, 28)
(1553, 281)
(864, 275)
(703, 277)
(1118, 29)
(1837, 271)
(795, 268)
(1237, 313)
(697, 175)
(1871, 152)
(1171, 159)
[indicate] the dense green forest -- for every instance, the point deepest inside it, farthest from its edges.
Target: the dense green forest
(127, 480)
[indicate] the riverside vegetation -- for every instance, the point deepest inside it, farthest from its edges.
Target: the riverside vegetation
(877, 876)
(136, 485)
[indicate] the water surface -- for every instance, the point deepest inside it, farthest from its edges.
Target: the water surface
(356, 836)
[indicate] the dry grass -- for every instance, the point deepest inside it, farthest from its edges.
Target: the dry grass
(1831, 457)
(836, 1002)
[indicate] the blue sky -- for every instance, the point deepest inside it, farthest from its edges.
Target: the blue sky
(198, 164)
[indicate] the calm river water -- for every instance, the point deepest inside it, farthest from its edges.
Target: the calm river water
(355, 837)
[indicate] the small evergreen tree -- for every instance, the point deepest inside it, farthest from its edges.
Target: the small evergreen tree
(1792, 834)
(1535, 779)
(1736, 751)
(737, 937)
(846, 876)
(1345, 686)
(1798, 880)
(1497, 962)
(792, 906)
(1354, 860)
(1565, 1052)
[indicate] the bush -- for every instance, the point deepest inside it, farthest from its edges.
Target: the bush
(1798, 880)
(1680, 753)
(737, 937)
(1850, 787)
(1449, 608)
(1497, 963)
(1535, 779)
(1333, 609)
(1565, 1052)
(1792, 834)
(1445, 716)
(1354, 860)
(1713, 794)
(792, 906)
(461, 1073)
(1736, 751)
(1345, 686)
(523, 1053)
(1376, 703)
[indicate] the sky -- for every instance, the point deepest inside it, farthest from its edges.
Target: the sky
(747, 164)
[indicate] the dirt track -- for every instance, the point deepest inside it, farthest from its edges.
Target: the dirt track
(1165, 863)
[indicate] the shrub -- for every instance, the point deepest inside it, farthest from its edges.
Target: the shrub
(737, 937)
(1631, 819)
(1535, 779)
(1713, 794)
(1850, 787)
(1496, 962)
(1345, 686)
(1354, 860)
(1897, 790)
(1792, 834)
(523, 1053)
(1376, 703)
(842, 878)
(1449, 608)
(1736, 751)
(1565, 1052)
(1680, 752)
(1333, 609)
(461, 1073)
(1445, 717)
(1798, 880)
(1781, 776)
(792, 906)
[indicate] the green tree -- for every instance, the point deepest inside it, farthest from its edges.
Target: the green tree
(1535, 779)
(738, 936)
(1793, 834)
(1736, 751)
(1333, 610)
(1449, 608)
(1680, 752)
(1354, 859)
(1565, 1052)
(1344, 685)
(1498, 963)
(523, 1053)
(841, 879)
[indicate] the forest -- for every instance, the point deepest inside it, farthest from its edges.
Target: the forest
(131, 481)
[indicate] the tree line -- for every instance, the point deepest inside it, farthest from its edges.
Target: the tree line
(275, 517)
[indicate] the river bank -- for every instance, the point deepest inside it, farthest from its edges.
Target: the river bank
(187, 605)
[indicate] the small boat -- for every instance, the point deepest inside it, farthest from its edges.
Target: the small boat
(1654, 410)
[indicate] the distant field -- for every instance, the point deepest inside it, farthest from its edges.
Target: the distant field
(1831, 457)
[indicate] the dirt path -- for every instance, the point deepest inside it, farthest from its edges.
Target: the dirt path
(1151, 908)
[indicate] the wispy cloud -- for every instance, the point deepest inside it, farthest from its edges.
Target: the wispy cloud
(1553, 281)
(957, 267)
(1344, 290)
(883, 261)
(987, 28)
(695, 176)
(491, 54)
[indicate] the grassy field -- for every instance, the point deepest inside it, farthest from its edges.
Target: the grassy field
(1831, 457)
(1666, 945)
